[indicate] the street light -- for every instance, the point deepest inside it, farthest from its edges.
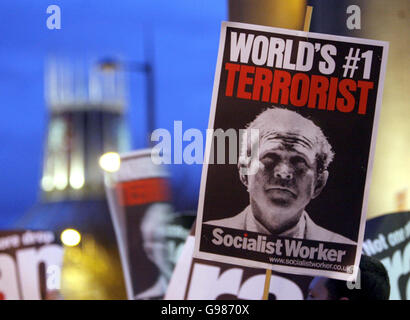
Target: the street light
(109, 64)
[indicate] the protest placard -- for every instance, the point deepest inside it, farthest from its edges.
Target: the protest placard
(30, 265)
(286, 175)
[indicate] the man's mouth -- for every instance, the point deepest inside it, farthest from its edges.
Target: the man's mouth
(281, 191)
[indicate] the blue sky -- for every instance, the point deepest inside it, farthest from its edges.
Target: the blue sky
(185, 37)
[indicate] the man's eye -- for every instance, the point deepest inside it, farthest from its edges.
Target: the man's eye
(268, 163)
(299, 161)
(270, 160)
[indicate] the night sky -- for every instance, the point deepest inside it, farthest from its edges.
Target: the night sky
(185, 36)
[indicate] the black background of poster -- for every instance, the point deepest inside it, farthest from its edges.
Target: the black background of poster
(339, 206)
(144, 272)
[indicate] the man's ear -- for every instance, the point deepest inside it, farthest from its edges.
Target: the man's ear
(320, 183)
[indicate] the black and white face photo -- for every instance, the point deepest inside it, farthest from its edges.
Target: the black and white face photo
(289, 176)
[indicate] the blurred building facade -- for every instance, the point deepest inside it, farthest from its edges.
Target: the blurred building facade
(86, 119)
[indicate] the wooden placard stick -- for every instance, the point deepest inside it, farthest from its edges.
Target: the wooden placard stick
(267, 284)
(306, 27)
(308, 17)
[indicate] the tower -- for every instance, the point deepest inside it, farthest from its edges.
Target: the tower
(86, 119)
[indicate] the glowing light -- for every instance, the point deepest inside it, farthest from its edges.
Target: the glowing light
(60, 172)
(70, 237)
(47, 183)
(76, 181)
(77, 176)
(60, 180)
(110, 161)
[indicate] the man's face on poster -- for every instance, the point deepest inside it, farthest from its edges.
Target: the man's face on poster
(285, 182)
(153, 229)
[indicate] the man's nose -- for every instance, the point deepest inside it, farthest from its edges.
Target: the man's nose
(283, 171)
